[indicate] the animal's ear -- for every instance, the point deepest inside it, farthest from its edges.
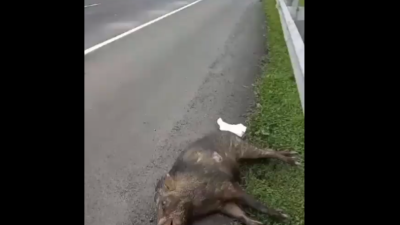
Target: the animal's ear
(169, 183)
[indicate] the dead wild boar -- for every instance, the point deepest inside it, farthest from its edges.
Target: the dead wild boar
(205, 180)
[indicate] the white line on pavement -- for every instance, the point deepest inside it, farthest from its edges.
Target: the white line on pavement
(94, 48)
(92, 5)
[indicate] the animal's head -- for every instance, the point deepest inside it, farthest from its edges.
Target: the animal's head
(172, 209)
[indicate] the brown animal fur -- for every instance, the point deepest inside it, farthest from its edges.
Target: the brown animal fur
(204, 180)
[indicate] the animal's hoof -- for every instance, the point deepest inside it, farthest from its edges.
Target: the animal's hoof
(278, 214)
(293, 161)
(288, 153)
(291, 158)
(253, 222)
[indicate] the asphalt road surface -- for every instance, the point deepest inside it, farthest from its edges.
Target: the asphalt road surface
(151, 92)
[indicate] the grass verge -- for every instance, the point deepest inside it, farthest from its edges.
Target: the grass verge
(277, 123)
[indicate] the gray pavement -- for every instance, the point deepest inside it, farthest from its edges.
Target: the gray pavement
(147, 95)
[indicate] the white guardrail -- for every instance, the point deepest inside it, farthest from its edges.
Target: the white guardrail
(294, 42)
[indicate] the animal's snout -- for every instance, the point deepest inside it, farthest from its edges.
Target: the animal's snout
(164, 221)
(169, 221)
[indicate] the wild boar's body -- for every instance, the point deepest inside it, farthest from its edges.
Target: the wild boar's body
(204, 180)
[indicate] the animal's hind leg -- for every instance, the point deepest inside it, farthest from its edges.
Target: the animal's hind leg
(233, 210)
(249, 151)
(234, 193)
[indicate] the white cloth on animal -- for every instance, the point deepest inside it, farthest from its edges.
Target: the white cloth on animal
(238, 129)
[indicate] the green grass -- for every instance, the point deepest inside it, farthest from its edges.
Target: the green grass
(277, 123)
(301, 2)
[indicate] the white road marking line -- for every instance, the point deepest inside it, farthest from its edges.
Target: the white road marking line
(92, 5)
(94, 48)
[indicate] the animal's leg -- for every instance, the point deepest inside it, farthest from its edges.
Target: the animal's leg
(233, 210)
(235, 193)
(246, 150)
